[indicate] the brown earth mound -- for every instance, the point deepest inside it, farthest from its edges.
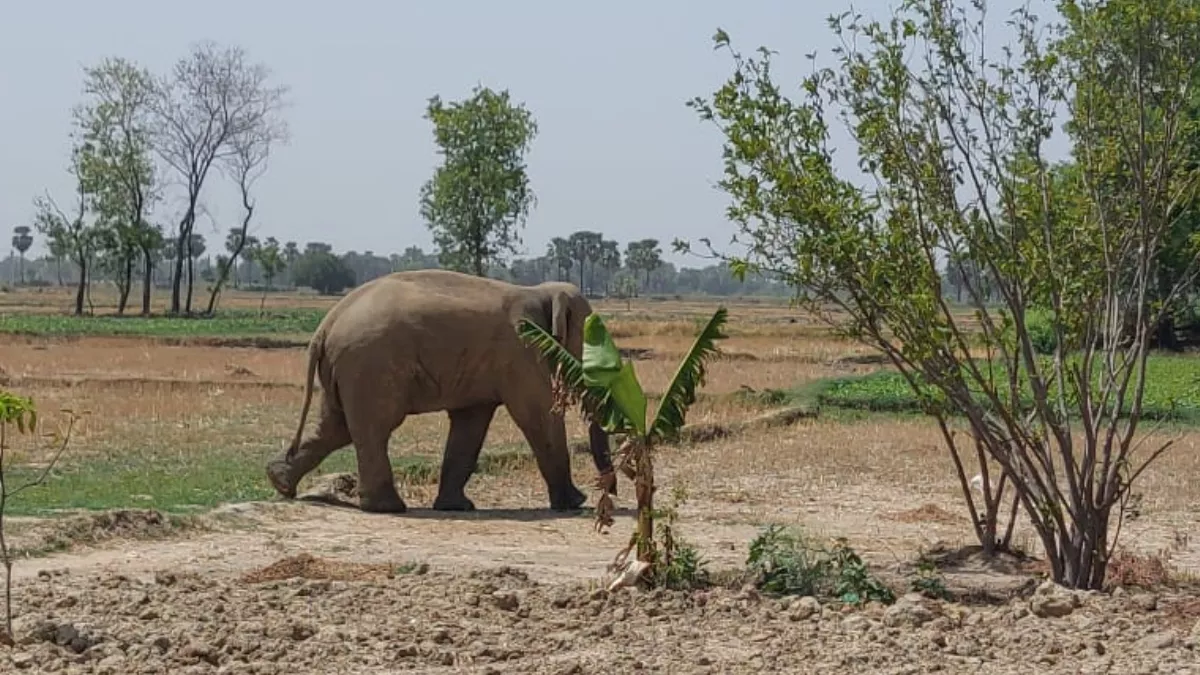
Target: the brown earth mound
(307, 566)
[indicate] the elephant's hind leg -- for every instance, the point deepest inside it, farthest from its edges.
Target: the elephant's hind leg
(468, 429)
(329, 435)
(376, 482)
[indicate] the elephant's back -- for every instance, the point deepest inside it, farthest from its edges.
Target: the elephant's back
(439, 336)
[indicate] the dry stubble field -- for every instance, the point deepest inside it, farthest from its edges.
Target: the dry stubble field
(184, 425)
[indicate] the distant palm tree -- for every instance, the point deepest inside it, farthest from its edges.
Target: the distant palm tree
(21, 241)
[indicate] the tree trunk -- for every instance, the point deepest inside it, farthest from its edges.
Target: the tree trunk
(191, 270)
(147, 279)
(181, 245)
(82, 290)
(58, 270)
(125, 284)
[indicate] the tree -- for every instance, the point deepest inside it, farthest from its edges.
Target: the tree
(479, 197)
(117, 168)
(58, 251)
(245, 164)
(270, 259)
(291, 252)
(609, 260)
(957, 166)
(72, 234)
(585, 247)
(213, 102)
(18, 415)
(21, 241)
(643, 256)
(608, 391)
(324, 272)
(559, 250)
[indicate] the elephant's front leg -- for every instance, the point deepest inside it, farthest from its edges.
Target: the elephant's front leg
(547, 436)
(468, 429)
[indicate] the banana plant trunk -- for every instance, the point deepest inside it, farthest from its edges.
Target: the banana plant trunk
(644, 484)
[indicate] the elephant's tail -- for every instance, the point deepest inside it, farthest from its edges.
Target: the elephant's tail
(316, 349)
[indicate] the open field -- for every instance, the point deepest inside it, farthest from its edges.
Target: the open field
(184, 413)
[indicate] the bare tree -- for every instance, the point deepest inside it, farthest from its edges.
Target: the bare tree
(245, 164)
(211, 101)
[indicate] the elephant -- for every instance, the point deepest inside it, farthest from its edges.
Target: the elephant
(437, 340)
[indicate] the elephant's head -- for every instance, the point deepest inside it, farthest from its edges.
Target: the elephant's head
(564, 309)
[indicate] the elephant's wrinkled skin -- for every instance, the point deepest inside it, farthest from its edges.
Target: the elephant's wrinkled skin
(429, 340)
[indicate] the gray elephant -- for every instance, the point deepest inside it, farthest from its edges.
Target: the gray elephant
(423, 341)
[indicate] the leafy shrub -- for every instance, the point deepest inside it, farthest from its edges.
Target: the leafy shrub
(1039, 326)
(785, 562)
(323, 272)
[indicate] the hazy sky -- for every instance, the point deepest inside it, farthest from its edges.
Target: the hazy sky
(618, 151)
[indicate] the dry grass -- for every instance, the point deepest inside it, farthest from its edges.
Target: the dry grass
(884, 483)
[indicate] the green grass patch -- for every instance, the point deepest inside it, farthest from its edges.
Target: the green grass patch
(1172, 391)
(230, 323)
(199, 481)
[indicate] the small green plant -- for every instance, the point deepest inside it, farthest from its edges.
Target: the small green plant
(20, 414)
(855, 585)
(928, 582)
(680, 565)
(607, 389)
(785, 562)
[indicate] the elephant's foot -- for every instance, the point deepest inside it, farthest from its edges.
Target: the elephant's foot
(381, 501)
(453, 503)
(572, 500)
(279, 472)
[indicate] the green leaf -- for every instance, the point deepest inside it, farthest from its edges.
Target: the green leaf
(597, 401)
(681, 393)
(603, 368)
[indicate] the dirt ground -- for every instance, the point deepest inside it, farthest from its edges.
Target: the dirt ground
(304, 586)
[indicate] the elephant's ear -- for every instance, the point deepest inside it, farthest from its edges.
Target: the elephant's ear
(559, 316)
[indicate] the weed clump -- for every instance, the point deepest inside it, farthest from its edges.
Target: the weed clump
(784, 561)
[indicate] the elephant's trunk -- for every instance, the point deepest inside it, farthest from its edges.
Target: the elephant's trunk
(601, 452)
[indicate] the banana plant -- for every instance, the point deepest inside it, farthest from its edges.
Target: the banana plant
(607, 389)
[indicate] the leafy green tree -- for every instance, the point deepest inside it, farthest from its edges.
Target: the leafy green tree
(559, 250)
(71, 234)
(118, 170)
(291, 252)
(609, 260)
(585, 248)
(324, 272)
(643, 256)
(955, 145)
(57, 252)
(479, 196)
(21, 241)
(269, 258)
(607, 388)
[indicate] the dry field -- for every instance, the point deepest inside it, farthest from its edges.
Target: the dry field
(186, 427)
